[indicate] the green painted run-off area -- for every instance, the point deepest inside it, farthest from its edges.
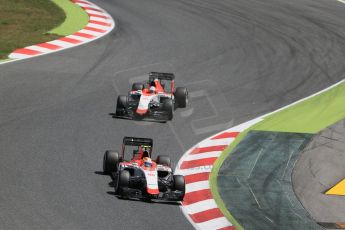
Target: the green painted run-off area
(76, 18)
(309, 116)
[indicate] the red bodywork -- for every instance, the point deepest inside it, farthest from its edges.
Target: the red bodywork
(147, 95)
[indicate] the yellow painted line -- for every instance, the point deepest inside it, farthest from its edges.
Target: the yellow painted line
(338, 189)
(342, 1)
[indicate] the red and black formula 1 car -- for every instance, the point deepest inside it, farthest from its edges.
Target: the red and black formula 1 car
(140, 177)
(154, 100)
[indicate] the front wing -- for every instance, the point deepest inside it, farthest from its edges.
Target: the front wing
(153, 116)
(167, 196)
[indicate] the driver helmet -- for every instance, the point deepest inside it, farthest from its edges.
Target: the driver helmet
(147, 162)
(152, 89)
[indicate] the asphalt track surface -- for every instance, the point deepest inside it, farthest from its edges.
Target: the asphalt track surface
(239, 59)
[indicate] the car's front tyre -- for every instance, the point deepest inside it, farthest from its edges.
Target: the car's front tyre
(168, 107)
(121, 104)
(111, 160)
(122, 183)
(179, 185)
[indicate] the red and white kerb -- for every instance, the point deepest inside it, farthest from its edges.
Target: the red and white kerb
(100, 23)
(195, 165)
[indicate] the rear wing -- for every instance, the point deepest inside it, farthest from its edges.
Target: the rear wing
(161, 76)
(137, 141)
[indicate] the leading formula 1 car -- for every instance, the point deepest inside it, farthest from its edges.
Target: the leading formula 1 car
(154, 100)
(140, 177)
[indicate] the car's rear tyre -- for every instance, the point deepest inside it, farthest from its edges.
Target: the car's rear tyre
(121, 104)
(181, 97)
(111, 160)
(164, 160)
(179, 185)
(168, 107)
(137, 86)
(122, 183)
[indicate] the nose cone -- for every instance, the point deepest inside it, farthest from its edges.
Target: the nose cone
(141, 111)
(151, 191)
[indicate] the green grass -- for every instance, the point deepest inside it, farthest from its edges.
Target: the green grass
(25, 22)
(309, 116)
(29, 22)
(76, 18)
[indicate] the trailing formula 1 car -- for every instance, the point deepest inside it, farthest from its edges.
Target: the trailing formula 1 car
(154, 100)
(141, 177)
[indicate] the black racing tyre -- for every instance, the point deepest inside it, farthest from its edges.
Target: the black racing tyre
(168, 107)
(124, 176)
(179, 183)
(164, 160)
(111, 160)
(121, 105)
(137, 86)
(121, 102)
(181, 97)
(122, 183)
